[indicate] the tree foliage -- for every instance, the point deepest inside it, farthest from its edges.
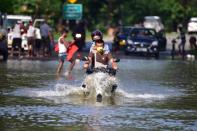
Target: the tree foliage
(105, 13)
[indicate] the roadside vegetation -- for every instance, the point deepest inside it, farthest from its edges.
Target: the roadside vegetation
(107, 13)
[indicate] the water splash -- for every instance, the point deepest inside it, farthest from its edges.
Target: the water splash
(99, 83)
(62, 92)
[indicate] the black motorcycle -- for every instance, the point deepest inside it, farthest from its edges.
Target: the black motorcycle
(108, 70)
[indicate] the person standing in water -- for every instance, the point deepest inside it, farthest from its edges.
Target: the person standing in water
(183, 41)
(66, 51)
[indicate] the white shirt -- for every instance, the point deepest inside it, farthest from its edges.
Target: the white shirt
(10, 37)
(31, 31)
(38, 35)
(62, 47)
(17, 31)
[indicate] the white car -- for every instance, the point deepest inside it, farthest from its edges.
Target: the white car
(153, 22)
(38, 22)
(24, 44)
(9, 22)
(192, 25)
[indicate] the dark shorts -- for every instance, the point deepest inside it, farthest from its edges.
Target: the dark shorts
(62, 57)
(38, 44)
(16, 42)
(46, 42)
(30, 41)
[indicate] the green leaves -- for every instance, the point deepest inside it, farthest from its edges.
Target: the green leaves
(105, 13)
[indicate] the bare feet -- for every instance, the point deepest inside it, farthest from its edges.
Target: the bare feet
(68, 75)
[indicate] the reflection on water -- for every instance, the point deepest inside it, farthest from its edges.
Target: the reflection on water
(151, 94)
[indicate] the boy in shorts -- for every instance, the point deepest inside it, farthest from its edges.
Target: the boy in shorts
(64, 52)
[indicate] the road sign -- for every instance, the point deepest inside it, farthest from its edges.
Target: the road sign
(72, 1)
(72, 11)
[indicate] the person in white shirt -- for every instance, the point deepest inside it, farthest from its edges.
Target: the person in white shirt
(62, 53)
(38, 42)
(10, 37)
(16, 39)
(68, 51)
(31, 39)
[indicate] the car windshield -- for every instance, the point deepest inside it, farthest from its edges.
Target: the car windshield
(151, 20)
(38, 24)
(11, 22)
(143, 33)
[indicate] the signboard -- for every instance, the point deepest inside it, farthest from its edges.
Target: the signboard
(72, 11)
(72, 1)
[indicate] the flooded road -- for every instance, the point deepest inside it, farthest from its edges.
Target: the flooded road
(151, 94)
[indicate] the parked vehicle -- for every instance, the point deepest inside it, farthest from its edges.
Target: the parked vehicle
(143, 41)
(9, 21)
(120, 37)
(153, 22)
(38, 22)
(192, 25)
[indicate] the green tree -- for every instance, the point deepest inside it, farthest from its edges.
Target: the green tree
(6, 6)
(104, 13)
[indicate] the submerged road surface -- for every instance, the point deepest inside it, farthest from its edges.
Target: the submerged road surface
(152, 95)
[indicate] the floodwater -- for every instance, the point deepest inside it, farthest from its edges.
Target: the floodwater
(151, 95)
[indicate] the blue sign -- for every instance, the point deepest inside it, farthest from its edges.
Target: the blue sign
(72, 11)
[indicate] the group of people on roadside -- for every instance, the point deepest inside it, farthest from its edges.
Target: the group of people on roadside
(99, 55)
(38, 39)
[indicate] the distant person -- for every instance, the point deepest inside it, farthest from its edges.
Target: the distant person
(116, 40)
(46, 33)
(23, 28)
(3, 43)
(66, 52)
(31, 39)
(17, 40)
(80, 29)
(38, 42)
(192, 41)
(183, 41)
(9, 36)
